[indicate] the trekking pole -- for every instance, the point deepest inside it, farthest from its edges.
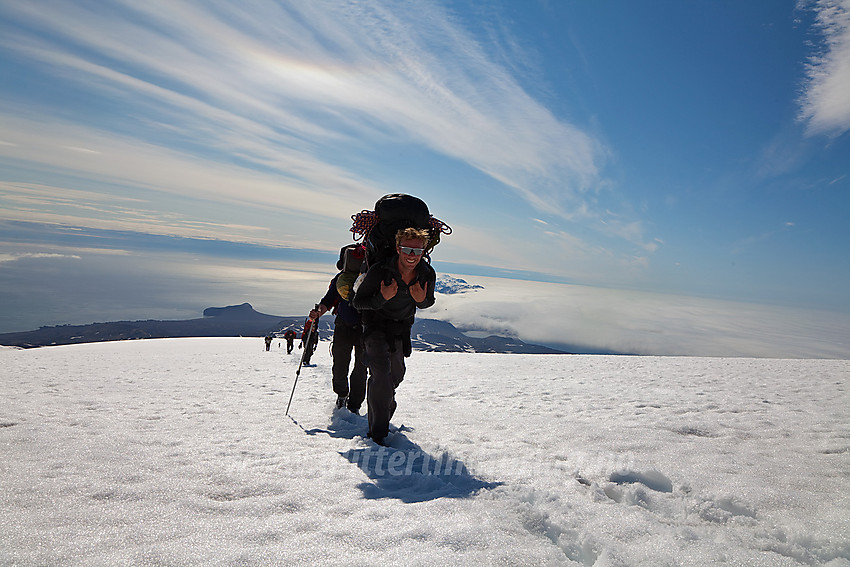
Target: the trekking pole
(312, 330)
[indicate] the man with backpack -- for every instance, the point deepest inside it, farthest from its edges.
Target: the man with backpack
(387, 298)
(348, 330)
(289, 335)
(309, 340)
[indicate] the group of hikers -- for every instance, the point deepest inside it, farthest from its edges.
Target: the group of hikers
(374, 298)
(290, 335)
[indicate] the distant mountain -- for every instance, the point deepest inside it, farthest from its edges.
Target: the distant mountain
(242, 312)
(440, 336)
(450, 285)
(236, 320)
(243, 321)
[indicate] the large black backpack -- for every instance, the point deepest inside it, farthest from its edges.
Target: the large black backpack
(393, 213)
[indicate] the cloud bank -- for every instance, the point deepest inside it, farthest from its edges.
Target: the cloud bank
(600, 320)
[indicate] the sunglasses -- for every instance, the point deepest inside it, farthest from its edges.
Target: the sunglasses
(412, 251)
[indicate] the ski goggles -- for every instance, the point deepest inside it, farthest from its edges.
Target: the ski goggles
(411, 251)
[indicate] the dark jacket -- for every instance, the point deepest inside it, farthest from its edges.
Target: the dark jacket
(377, 311)
(340, 307)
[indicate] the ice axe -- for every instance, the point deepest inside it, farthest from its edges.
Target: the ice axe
(313, 325)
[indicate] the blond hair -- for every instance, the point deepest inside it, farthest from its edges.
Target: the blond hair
(411, 233)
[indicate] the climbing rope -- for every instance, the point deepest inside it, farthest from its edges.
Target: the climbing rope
(365, 221)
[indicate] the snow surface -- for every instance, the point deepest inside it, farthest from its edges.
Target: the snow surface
(178, 452)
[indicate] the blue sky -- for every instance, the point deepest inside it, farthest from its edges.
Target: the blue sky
(159, 157)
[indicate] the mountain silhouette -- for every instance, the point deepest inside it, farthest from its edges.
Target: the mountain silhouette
(243, 321)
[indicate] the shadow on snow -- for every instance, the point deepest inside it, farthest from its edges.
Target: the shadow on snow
(402, 469)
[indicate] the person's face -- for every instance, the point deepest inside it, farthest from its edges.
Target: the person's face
(410, 252)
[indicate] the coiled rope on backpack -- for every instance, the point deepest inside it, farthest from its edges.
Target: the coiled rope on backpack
(364, 221)
(438, 227)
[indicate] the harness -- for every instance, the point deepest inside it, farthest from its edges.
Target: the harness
(393, 330)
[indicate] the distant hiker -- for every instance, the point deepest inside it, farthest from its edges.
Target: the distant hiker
(313, 338)
(348, 336)
(289, 335)
(387, 299)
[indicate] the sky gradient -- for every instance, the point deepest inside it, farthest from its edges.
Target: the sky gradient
(160, 157)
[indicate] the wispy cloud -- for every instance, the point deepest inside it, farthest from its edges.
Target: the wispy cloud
(826, 99)
(280, 87)
(750, 242)
(35, 255)
(32, 203)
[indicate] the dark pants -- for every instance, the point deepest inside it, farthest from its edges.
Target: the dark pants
(348, 338)
(386, 371)
(290, 343)
(310, 348)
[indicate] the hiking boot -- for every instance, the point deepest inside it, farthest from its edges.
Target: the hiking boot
(340, 401)
(382, 441)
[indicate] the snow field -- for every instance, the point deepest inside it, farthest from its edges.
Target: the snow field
(178, 452)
